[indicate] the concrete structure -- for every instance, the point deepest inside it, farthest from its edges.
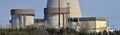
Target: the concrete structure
(39, 22)
(22, 17)
(91, 24)
(75, 10)
(65, 12)
(51, 12)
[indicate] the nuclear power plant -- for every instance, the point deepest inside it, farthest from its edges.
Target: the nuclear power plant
(59, 14)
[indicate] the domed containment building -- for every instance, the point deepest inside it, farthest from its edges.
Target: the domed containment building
(22, 17)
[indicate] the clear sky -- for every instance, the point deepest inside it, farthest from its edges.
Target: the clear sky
(89, 8)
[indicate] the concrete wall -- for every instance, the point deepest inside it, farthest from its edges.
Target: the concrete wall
(52, 20)
(22, 17)
(29, 20)
(51, 13)
(88, 23)
(75, 10)
(101, 24)
(22, 11)
(54, 4)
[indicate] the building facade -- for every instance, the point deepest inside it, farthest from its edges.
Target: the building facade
(90, 24)
(22, 17)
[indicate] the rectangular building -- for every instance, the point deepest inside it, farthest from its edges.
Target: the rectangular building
(88, 23)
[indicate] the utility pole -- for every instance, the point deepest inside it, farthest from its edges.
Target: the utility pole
(59, 14)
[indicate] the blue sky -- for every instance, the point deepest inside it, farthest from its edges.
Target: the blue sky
(89, 8)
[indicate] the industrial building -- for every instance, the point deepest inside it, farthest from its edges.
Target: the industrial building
(59, 14)
(67, 13)
(91, 24)
(22, 17)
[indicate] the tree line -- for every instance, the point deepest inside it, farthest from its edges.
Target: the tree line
(53, 31)
(69, 31)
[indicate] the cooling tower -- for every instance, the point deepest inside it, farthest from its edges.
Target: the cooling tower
(75, 10)
(52, 12)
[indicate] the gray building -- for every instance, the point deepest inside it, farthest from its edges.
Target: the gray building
(22, 17)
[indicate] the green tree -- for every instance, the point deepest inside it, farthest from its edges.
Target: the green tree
(83, 32)
(105, 32)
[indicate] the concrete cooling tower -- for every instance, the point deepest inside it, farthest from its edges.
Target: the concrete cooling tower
(65, 7)
(75, 10)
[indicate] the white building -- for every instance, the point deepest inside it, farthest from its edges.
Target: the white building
(90, 24)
